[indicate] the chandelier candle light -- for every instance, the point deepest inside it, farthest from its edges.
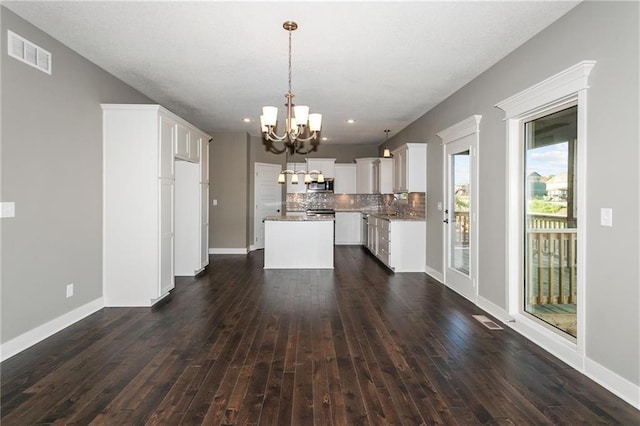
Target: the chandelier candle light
(300, 126)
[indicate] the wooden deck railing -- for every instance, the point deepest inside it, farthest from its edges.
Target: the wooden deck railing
(551, 274)
(551, 251)
(462, 228)
(546, 221)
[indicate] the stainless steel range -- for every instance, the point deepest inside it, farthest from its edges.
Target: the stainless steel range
(321, 211)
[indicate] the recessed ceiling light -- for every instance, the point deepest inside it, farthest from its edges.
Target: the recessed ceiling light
(351, 121)
(246, 120)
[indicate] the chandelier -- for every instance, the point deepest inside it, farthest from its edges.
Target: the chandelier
(300, 126)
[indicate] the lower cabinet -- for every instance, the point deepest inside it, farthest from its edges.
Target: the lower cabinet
(348, 228)
(399, 244)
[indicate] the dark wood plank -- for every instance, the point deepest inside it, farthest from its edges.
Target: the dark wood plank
(241, 345)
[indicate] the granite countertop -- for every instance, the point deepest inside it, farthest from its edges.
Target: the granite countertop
(397, 217)
(297, 218)
(390, 216)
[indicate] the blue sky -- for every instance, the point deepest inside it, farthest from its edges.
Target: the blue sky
(548, 160)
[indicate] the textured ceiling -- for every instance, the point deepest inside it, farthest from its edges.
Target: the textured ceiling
(383, 64)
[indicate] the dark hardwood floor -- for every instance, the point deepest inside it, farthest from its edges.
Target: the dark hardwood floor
(356, 345)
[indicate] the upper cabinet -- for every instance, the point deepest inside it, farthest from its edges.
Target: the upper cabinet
(181, 147)
(325, 165)
(187, 144)
(410, 168)
(383, 176)
(345, 179)
(364, 175)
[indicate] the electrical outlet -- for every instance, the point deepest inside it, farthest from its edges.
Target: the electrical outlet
(69, 290)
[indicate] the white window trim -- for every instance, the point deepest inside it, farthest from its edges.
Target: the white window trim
(563, 88)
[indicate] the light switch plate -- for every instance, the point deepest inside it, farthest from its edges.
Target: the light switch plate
(7, 209)
(439, 206)
(606, 216)
(215, 202)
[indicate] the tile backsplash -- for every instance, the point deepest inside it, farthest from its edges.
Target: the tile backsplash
(414, 204)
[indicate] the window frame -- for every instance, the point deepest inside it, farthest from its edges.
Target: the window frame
(558, 91)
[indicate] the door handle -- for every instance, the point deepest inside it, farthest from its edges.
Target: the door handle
(278, 211)
(446, 221)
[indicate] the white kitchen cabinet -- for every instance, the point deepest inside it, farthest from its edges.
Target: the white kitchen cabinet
(195, 142)
(364, 175)
(139, 192)
(187, 143)
(383, 176)
(345, 179)
(348, 226)
(410, 168)
(300, 187)
(325, 165)
(204, 225)
(204, 201)
(204, 164)
(399, 244)
(181, 143)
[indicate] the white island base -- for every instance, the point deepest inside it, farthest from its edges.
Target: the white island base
(298, 243)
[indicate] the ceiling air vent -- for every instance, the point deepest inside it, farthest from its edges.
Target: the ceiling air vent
(29, 53)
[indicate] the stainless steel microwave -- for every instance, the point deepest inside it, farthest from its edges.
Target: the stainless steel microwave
(315, 186)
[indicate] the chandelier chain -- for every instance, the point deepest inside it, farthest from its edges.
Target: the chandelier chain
(289, 61)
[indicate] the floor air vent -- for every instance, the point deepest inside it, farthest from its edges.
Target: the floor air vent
(487, 322)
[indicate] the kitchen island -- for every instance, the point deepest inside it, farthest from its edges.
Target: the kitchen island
(298, 242)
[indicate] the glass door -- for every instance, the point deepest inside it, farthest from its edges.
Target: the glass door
(550, 240)
(459, 216)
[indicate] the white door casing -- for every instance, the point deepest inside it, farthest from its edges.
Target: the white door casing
(459, 138)
(267, 198)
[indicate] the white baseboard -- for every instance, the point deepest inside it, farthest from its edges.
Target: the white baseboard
(434, 274)
(620, 386)
(493, 309)
(31, 337)
(228, 251)
(566, 352)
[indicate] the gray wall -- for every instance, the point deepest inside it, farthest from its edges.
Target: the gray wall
(229, 184)
(52, 169)
(608, 33)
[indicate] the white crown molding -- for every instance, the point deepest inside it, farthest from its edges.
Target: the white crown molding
(459, 130)
(559, 86)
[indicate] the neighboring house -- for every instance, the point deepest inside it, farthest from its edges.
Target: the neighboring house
(52, 169)
(537, 187)
(557, 187)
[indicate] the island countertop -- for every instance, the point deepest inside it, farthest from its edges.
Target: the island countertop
(299, 218)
